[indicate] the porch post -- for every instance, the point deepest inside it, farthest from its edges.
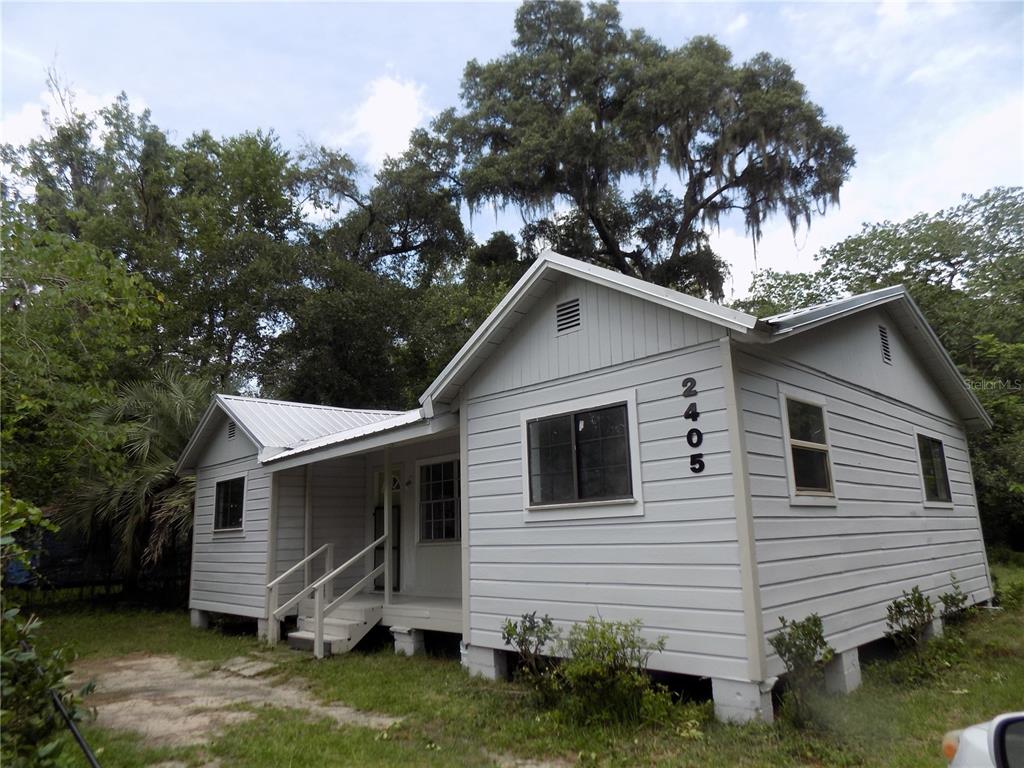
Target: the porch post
(307, 523)
(387, 525)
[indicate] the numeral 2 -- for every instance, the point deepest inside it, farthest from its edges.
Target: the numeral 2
(689, 387)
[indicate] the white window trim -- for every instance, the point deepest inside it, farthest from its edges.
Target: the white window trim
(585, 510)
(920, 469)
(420, 541)
(245, 489)
(805, 498)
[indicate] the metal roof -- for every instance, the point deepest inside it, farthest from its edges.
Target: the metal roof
(281, 424)
(399, 419)
(801, 319)
(277, 425)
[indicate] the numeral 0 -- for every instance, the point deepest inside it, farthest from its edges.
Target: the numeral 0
(694, 438)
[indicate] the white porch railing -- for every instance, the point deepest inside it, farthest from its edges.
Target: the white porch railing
(277, 612)
(322, 589)
(323, 603)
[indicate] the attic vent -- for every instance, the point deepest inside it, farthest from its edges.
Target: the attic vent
(567, 315)
(232, 430)
(883, 335)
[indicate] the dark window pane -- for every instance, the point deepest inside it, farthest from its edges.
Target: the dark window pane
(806, 422)
(602, 453)
(933, 469)
(550, 452)
(810, 470)
(228, 504)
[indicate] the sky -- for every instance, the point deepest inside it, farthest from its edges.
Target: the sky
(930, 94)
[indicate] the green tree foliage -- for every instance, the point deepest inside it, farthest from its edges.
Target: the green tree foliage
(30, 728)
(146, 508)
(74, 321)
(964, 267)
(585, 112)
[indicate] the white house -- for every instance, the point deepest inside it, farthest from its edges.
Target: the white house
(604, 446)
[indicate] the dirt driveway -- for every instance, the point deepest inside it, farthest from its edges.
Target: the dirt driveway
(172, 702)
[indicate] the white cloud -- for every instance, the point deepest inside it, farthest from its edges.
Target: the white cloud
(969, 155)
(26, 121)
(737, 24)
(381, 124)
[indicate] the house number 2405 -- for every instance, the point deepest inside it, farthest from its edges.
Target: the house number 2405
(694, 437)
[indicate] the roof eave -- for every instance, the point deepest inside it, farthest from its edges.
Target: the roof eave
(549, 261)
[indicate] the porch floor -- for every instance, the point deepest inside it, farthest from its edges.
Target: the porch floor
(441, 614)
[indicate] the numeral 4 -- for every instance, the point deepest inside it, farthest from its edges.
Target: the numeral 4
(691, 412)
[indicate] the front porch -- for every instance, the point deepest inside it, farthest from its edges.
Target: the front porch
(340, 566)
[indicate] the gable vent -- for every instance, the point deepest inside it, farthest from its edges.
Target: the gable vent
(567, 316)
(232, 430)
(883, 335)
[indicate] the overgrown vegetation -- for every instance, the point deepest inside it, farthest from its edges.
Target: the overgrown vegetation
(802, 648)
(599, 672)
(31, 730)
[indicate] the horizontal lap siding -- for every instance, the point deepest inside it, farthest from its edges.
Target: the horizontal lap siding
(291, 527)
(847, 562)
(676, 568)
(229, 570)
(339, 513)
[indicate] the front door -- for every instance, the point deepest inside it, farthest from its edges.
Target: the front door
(396, 527)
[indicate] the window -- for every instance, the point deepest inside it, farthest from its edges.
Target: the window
(439, 501)
(582, 456)
(810, 467)
(228, 510)
(933, 469)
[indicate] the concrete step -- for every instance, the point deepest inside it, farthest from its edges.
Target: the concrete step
(337, 627)
(303, 640)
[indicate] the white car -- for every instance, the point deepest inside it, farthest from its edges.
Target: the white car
(999, 743)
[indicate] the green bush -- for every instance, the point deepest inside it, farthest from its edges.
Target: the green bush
(602, 672)
(909, 617)
(31, 730)
(802, 647)
(530, 637)
(954, 603)
(1010, 597)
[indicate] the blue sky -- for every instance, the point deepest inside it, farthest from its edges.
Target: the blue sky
(931, 94)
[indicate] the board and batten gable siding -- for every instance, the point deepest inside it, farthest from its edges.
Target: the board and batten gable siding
(676, 567)
(615, 328)
(229, 568)
(848, 561)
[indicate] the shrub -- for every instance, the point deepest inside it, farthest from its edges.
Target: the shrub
(1010, 596)
(909, 617)
(604, 674)
(954, 603)
(529, 637)
(802, 647)
(30, 729)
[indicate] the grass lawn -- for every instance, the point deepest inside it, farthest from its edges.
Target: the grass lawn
(450, 719)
